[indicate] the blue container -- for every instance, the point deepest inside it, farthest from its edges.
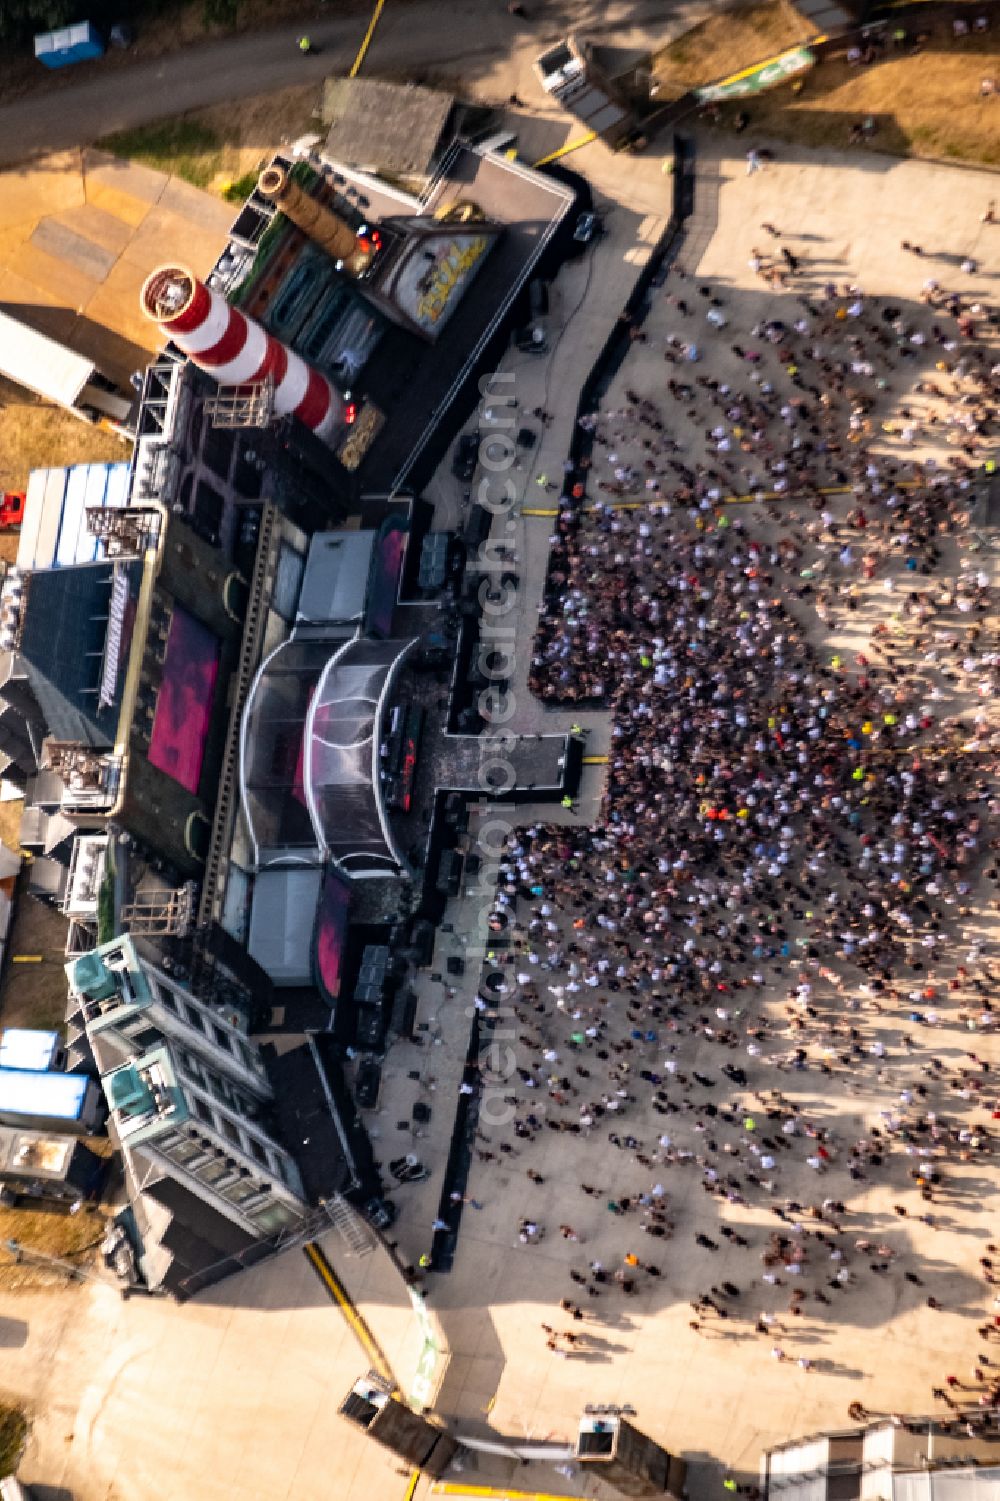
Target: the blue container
(70, 44)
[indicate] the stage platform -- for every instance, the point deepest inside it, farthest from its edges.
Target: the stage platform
(415, 383)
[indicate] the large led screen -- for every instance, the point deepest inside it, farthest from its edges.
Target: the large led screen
(184, 701)
(330, 936)
(386, 571)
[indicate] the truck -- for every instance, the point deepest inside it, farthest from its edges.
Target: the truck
(569, 74)
(63, 376)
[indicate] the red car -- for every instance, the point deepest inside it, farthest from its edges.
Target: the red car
(11, 509)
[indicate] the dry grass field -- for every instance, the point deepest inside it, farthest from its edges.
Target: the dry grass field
(928, 103)
(71, 1237)
(36, 436)
(725, 43)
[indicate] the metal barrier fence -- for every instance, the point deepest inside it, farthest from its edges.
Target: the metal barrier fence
(602, 372)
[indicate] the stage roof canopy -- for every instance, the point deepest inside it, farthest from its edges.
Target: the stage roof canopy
(310, 768)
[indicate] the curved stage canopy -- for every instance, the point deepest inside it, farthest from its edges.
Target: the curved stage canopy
(309, 756)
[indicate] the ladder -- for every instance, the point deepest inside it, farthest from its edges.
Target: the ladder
(352, 1229)
(253, 633)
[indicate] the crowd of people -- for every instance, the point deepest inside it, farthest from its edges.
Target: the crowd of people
(786, 897)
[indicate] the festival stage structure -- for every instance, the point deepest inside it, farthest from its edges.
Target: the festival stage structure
(237, 351)
(245, 739)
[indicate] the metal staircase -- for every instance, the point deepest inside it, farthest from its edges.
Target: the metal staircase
(358, 1237)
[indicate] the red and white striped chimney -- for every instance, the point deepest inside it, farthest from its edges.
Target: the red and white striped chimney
(238, 351)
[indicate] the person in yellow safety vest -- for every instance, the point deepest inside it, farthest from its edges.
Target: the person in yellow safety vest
(305, 45)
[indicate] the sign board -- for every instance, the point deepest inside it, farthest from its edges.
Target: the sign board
(431, 281)
(119, 609)
(423, 1385)
(764, 76)
(360, 436)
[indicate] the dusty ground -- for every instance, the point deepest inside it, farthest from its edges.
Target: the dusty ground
(79, 233)
(924, 105)
(223, 147)
(34, 995)
(883, 1346)
(35, 436)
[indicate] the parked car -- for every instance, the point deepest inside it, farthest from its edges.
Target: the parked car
(588, 227)
(11, 509)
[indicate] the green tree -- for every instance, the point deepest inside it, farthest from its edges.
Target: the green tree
(220, 12)
(20, 19)
(13, 1436)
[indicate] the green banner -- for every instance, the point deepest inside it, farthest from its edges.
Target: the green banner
(763, 76)
(422, 1390)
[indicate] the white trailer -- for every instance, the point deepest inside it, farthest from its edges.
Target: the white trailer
(61, 375)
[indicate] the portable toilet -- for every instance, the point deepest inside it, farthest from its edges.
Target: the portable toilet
(70, 44)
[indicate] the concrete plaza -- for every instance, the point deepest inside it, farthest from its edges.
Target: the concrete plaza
(718, 1398)
(79, 233)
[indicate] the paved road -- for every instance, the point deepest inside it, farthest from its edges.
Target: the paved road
(471, 39)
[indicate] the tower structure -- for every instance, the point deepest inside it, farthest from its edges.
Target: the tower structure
(326, 228)
(238, 351)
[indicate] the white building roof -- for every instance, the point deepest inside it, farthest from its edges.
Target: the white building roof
(281, 922)
(967, 1483)
(54, 531)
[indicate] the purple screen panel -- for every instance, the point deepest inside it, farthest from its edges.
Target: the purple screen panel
(331, 934)
(184, 702)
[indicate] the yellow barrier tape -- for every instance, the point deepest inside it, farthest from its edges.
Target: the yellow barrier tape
(363, 49)
(361, 1331)
(450, 1488)
(574, 145)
